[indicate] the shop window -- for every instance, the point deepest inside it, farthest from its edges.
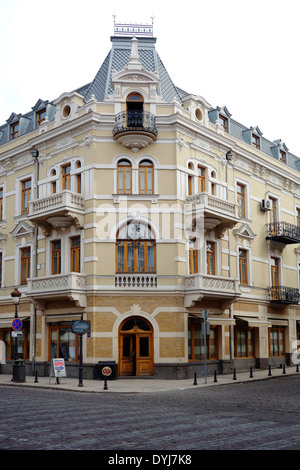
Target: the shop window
(63, 342)
(244, 342)
(23, 349)
(276, 342)
(196, 350)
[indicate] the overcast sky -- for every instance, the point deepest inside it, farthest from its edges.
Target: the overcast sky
(235, 53)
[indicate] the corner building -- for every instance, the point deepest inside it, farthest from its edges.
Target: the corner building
(136, 205)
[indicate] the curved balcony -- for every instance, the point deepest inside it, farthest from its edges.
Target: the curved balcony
(57, 210)
(135, 129)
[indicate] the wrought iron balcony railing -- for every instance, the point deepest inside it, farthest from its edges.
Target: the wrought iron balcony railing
(283, 232)
(135, 121)
(284, 294)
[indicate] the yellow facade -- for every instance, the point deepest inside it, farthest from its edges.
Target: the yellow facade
(140, 253)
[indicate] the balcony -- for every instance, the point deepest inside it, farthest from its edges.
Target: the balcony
(58, 210)
(135, 130)
(283, 232)
(70, 286)
(136, 281)
(284, 295)
(199, 286)
(219, 214)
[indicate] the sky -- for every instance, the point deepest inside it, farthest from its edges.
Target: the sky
(235, 53)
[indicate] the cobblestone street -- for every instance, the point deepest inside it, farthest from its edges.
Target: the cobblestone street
(258, 415)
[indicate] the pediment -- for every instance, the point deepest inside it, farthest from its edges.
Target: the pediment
(245, 231)
(22, 230)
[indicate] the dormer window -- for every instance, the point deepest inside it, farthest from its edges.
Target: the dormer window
(255, 141)
(282, 156)
(41, 116)
(14, 130)
(224, 122)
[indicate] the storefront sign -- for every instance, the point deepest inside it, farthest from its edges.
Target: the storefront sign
(81, 327)
(59, 367)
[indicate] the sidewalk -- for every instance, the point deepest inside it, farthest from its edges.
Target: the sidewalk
(138, 385)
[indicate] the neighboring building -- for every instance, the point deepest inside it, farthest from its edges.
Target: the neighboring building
(150, 207)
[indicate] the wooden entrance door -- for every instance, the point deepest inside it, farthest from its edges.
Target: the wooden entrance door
(136, 348)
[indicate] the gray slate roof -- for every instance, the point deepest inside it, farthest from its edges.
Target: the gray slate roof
(117, 59)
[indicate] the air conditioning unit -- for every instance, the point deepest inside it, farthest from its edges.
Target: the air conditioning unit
(266, 205)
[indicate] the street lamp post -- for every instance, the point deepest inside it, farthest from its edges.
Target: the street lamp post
(16, 295)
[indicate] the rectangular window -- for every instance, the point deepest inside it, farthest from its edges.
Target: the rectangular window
(63, 342)
(243, 265)
(282, 156)
(136, 256)
(276, 342)
(255, 141)
(41, 116)
(1, 266)
(56, 257)
(275, 278)
(26, 196)
(210, 257)
(298, 217)
(75, 255)
(224, 123)
(25, 265)
(244, 342)
(196, 349)
(193, 257)
(241, 199)
(14, 130)
(201, 179)
(1, 204)
(66, 177)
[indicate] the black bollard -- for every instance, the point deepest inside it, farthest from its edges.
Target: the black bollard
(269, 374)
(251, 374)
(195, 379)
(215, 376)
(297, 367)
(105, 385)
(234, 374)
(284, 372)
(36, 378)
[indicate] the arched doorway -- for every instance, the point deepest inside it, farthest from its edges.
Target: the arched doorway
(135, 106)
(136, 347)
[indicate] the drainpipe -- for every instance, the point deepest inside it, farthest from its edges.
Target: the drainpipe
(35, 155)
(229, 157)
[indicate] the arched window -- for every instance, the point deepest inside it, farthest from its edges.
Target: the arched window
(135, 249)
(146, 177)
(124, 177)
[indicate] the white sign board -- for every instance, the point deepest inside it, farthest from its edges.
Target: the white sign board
(59, 367)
